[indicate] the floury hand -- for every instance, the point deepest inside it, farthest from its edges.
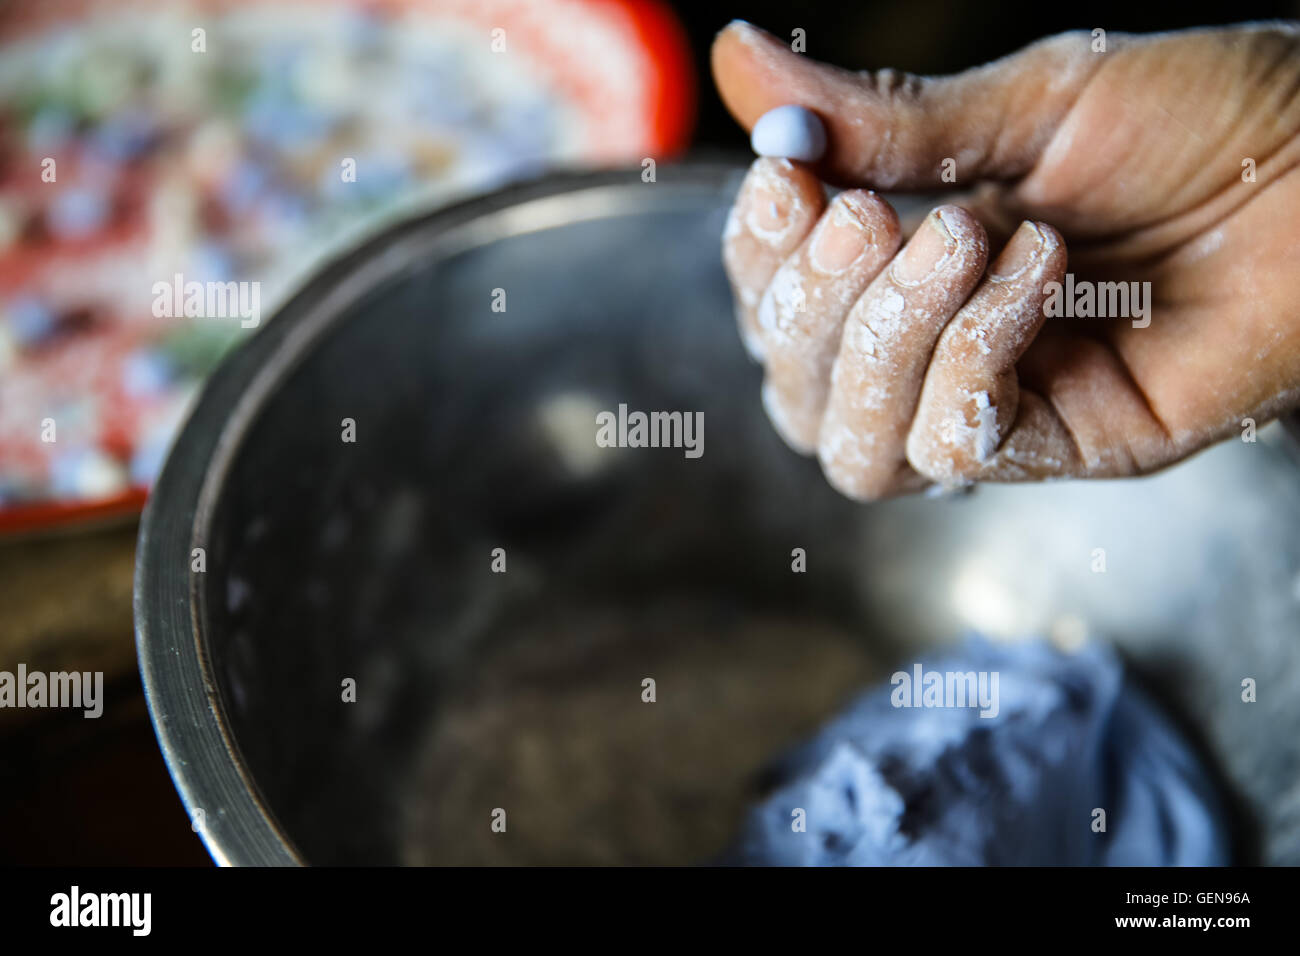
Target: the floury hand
(1169, 164)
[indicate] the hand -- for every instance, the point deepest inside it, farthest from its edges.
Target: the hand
(903, 368)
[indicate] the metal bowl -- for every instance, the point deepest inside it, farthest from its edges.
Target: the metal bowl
(476, 691)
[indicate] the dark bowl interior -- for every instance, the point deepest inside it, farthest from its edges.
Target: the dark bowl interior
(522, 690)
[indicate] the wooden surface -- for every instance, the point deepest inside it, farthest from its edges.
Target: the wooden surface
(75, 790)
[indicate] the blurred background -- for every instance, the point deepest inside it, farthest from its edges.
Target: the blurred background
(231, 141)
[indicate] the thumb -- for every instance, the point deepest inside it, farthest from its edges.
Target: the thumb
(892, 130)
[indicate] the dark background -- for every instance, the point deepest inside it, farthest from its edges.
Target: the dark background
(932, 36)
(78, 791)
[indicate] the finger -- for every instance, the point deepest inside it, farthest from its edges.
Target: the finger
(777, 205)
(1081, 414)
(801, 315)
(987, 202)
(887, 342)
(1092, 405)
(890, 130)
(971, 396)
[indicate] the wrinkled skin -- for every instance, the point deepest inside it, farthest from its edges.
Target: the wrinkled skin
(1131, 159)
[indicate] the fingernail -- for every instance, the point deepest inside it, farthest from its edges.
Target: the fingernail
(841, 238)
(927, 250)
(770, 211)
(1020, 252)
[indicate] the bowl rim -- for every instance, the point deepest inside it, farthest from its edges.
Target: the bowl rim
(215, 782)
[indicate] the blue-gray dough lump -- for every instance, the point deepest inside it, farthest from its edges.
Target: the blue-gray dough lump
(887, 785)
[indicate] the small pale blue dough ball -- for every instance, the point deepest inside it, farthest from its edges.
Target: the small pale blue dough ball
(789, 132)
